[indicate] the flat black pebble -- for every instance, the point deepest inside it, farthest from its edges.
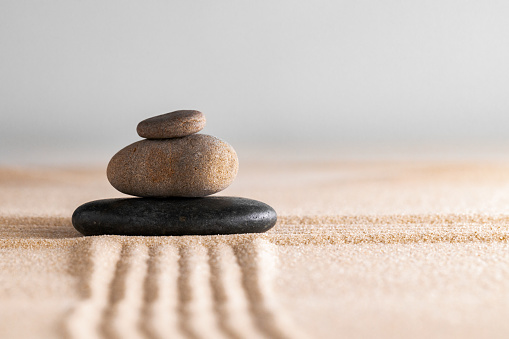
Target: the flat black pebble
(173, 216)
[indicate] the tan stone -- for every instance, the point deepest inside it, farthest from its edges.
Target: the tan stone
(172, 125)
(193, 166)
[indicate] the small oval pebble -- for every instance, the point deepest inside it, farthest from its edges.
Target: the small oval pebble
(172, 125)
(192, 166)
(173, 216)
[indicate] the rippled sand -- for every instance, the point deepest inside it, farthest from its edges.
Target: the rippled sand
(361, 249)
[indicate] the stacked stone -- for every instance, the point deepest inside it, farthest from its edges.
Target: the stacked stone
(172, 172)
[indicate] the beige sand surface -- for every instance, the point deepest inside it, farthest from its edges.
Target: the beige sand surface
(362, 249)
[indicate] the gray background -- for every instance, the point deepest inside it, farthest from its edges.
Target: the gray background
(77, 76)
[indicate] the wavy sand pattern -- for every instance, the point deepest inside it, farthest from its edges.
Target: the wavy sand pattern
(186, 288)
(361, 250)
(221, 286)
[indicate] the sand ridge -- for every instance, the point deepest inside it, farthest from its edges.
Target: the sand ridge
(382, 250)
(176, 288)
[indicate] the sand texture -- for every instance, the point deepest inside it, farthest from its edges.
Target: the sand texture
(366, 249)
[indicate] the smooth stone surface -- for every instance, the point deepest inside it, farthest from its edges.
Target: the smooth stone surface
(173, 216)
(192, 166)
(172, 125)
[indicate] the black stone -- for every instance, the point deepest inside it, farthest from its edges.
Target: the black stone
(173, 216)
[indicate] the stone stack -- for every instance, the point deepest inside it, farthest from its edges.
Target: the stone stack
(172, 172)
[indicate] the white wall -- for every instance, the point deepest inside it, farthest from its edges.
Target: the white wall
(81, 74)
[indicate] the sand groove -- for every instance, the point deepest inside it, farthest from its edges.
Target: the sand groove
(198, 317)
(126, 294)
(159, 317)
(258, 260)
(231, 302)
(190, 288)
(84, 320)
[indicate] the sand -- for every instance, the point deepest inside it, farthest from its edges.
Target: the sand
(386, 249)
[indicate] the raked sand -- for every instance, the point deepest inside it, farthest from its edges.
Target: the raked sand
(362, 249)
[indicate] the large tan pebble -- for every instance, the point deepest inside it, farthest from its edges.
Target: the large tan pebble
(171, 125)
(192, 166)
